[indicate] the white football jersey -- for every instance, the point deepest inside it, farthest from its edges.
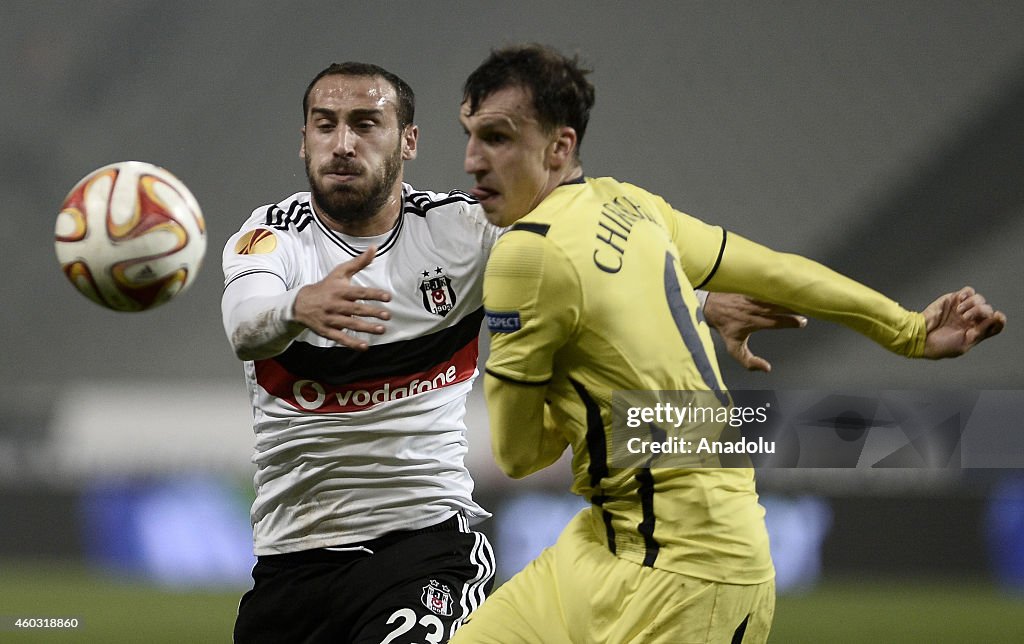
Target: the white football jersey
(351, 445)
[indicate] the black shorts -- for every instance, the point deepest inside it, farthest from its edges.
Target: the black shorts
(404, 587)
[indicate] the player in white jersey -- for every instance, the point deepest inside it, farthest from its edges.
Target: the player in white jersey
(363, 501)
(404, 395)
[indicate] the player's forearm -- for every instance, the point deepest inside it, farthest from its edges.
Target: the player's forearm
(520, 443)
(810, 288)
(258, 326)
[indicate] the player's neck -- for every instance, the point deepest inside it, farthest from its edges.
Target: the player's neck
(574, 175)
(564, 176)
(382, 221)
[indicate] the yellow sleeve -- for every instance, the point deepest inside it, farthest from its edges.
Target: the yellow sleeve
(809, 288)
(520, 440)
(699, 244)
(530, 301)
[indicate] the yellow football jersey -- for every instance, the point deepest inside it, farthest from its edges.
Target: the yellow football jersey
(591, 294)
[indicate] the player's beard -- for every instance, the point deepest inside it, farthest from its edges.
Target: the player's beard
(349, 204)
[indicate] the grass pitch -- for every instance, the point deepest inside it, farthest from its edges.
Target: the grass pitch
(900, 611)
(115, 610)
(110, 609)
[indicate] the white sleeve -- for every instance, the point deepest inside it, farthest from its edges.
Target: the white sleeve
(257, 311)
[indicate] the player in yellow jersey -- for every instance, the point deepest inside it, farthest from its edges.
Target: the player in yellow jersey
(591, 292)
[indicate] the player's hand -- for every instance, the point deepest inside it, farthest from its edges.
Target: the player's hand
(335, 305)
(957, 321)
(736, 317)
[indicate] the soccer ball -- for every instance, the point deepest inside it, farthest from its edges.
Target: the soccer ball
(130, 236)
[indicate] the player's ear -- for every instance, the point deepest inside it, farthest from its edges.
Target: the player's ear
(410, 135)
(302, 144)
(562, 149)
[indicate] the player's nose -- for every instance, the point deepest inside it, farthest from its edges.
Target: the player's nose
(345, 141)
(473, 163)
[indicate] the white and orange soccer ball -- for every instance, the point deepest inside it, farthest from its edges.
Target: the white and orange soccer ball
(130, 236)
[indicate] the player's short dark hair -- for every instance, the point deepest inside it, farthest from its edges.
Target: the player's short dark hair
(558, 85)
(406, 107)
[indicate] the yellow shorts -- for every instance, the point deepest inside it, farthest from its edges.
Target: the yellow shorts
(578, 592)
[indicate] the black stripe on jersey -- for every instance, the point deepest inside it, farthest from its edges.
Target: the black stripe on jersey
(340, 365)
(254, 271)
(597, 449)
(718, 261)
(531, 227)
(418, 203)
(737, 637)
(645, 479)
(646, 528)
(514, 380)
(298, 215)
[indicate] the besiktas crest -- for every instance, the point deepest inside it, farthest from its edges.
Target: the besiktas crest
(438, 294)
(438, 598)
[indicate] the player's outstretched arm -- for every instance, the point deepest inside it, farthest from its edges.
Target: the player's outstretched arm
(262, 317)
(948, 327)
(335, 305)
(957, 321)
(737, 317)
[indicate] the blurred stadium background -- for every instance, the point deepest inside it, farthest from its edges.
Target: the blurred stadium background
(885, 139)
